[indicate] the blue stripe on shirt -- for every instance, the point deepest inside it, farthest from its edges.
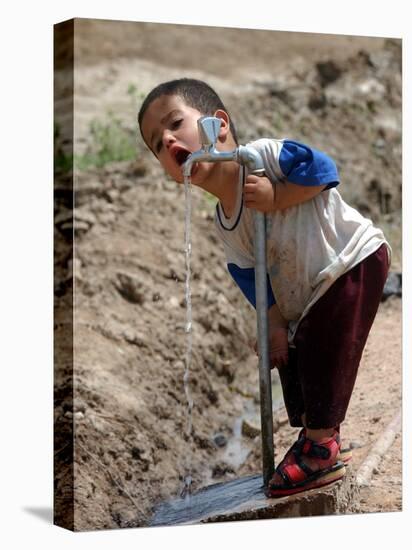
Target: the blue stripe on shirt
(245, 280)
(307, 166)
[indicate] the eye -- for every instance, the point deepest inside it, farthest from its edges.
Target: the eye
(176, 123)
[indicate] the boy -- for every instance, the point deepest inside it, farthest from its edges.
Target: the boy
(327, 266)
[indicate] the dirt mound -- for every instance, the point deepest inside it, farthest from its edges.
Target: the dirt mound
(219, 50)
(130, 410)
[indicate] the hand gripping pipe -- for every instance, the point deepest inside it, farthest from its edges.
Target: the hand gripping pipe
(247, 156)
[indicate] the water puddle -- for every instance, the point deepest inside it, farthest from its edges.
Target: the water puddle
(239, 447)
(217, 498)
(236, 450)
(210, 501)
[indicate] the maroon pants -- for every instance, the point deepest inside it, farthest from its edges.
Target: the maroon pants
(320, 375)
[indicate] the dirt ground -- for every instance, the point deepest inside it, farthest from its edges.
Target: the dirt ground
(129, 411)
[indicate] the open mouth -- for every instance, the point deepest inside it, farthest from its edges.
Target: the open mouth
(181, 156)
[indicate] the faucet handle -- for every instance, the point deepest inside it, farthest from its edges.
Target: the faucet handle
(208, 127)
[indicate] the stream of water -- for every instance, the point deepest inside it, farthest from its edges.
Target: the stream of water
(188, 330)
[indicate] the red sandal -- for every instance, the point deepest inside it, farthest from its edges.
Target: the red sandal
(344, 455)
(293, 475)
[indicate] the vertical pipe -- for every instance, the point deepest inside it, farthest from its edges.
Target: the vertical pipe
(265, 384)
(253, 160)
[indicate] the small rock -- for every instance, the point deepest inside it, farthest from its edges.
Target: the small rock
(78, 415)
(372, 88)
(393, 286)
(173, 302)
(80, 227)
(328, 72)
(212, 395)
(134, 337)
(202, 442)
(317, 101)
(113, 195)
(380, 143)
(355, 445)
(136, 453)
(225, 327)
(225, 369)
(220, 440)
(131, 288)
(250, 428)
(207, 215)
(80, 406)
(80, 220)
(176, 275)
(84, 215)
(221, 469)
(140, 454)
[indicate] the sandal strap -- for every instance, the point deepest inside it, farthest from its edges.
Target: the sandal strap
(293, 472)
(302, 465)
(315, 450)
(322, 451)
(286, 480)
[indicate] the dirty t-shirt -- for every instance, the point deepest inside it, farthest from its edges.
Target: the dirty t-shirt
(309, 245)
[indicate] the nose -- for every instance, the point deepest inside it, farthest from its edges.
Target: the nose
(168, 137)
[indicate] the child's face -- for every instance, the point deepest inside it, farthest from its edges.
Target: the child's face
(169, 128)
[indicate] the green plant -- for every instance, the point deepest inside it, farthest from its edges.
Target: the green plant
(63, 161)
(110, 142)
(136, 97)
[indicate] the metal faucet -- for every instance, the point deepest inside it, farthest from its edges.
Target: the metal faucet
(208, 128)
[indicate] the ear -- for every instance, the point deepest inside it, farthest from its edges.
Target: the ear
(224, 124)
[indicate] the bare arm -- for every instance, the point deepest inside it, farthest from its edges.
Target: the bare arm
(290, 194)
(278, 338)
(275, 318)
(261, 194)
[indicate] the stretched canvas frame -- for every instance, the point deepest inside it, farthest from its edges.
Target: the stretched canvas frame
(117, 419)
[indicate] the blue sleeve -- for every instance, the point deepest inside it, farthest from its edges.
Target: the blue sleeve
(245, 280)
(306, 166)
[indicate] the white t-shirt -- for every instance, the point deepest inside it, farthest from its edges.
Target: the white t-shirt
(309, 245)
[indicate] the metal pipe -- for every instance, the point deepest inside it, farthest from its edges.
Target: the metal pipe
(265, 383)
(212, 155)
(249, 157)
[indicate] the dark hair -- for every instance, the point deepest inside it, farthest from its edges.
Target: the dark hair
(196, 94)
